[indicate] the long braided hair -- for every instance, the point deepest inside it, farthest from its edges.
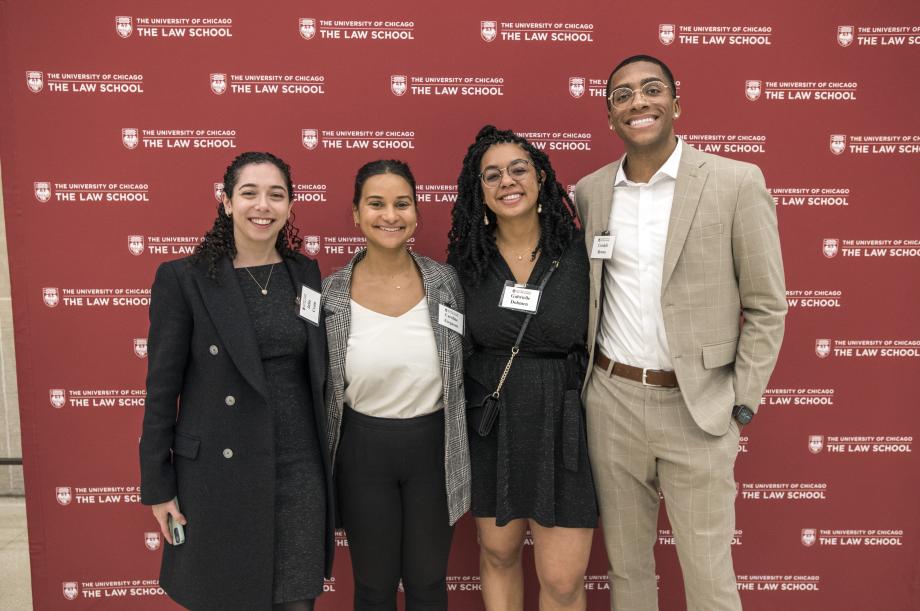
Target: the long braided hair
(218, 241)
(471, 243)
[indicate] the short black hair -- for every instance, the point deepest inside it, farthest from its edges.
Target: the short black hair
(642, 58)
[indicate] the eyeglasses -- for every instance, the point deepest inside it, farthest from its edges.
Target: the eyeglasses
(518, 170)
(652, 91)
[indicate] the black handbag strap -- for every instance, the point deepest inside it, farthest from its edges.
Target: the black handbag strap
(520, 336)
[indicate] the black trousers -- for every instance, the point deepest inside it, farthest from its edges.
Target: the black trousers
(393, 501)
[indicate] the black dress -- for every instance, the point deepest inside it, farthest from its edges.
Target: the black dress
(534, 463)
(300, 505)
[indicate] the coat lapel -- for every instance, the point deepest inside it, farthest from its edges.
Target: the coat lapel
(316, 336)
(227, 307)
(691, 178)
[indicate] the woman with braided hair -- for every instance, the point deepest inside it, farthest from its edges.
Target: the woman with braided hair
(513, 229)
(232, 446)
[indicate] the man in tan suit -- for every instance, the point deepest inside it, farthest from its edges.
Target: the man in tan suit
(686, 320)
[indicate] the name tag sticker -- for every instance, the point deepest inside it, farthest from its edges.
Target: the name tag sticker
(309, 304)
(450, 318)
(603, 246)
(520, 297)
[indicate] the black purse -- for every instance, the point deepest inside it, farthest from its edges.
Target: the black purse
(491, 403)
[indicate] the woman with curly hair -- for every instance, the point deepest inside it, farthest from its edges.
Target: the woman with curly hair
(232, 446)
(512, 224)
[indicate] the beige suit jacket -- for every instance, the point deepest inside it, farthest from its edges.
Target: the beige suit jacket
(722, 260)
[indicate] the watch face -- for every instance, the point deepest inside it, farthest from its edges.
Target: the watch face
(744, 415)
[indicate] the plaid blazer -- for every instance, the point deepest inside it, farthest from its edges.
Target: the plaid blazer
(441, 287)
(722, 260)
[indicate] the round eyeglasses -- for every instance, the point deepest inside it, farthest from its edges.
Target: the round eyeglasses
(518, 170)
(652, 91)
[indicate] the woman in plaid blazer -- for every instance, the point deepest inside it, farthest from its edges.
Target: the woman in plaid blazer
(395, 408)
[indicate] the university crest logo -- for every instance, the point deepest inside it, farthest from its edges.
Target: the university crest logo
(42, 191)
(123, 26)
(666, 33)
(398, 84)
(844, 35)
(307, 28)
(35, 80)
(218, 83)
(488, 30)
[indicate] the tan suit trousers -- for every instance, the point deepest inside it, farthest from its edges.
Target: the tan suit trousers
(643, 438)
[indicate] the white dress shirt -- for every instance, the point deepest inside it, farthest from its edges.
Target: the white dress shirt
(632, 325)
(392, 368)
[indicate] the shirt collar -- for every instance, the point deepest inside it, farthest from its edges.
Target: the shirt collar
(668, 169)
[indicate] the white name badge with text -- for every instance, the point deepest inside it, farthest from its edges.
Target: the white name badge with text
(450, 318)
(603, 246)
(309, 304)
(520, 297)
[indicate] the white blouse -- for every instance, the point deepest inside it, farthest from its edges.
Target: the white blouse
(392, 368)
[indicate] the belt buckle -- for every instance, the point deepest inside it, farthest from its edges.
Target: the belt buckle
(645, 377)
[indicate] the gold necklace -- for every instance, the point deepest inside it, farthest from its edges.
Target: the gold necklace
(264, 289)
(520, 257)
(396, 276)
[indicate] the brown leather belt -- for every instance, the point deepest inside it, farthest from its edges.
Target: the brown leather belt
(648, 377)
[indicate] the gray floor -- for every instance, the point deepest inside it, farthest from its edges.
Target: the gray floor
(15, 577)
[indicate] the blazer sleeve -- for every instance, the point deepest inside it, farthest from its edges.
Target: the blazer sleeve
(758, 265)
(168, 344)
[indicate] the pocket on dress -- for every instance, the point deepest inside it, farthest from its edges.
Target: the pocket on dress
(571, 429)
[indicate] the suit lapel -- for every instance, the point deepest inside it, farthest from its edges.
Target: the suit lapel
(227, 307)
(599, 214)
(691, 178)
(602, 192)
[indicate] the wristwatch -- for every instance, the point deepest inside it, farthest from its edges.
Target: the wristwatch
(743, 414)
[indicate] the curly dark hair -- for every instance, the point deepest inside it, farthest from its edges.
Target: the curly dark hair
(218, 241)
(471, 243)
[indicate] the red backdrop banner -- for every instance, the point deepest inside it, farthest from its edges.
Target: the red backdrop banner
(120, 117)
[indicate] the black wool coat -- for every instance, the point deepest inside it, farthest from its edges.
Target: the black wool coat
(208, 435)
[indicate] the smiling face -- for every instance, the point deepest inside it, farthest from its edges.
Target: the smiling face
(259, 206)
(643, 125)
(386, 212)
(510, 198)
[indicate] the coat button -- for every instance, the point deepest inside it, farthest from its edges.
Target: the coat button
(213, 349)
(230, 400)
(228, 453)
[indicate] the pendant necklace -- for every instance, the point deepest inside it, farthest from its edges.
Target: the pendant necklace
(520, 257)
(264, 289)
